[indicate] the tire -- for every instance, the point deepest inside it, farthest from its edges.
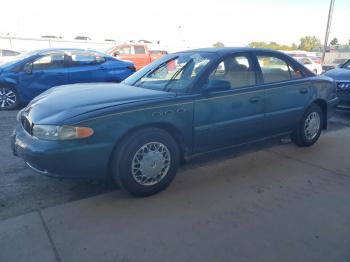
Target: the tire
(9, 99)
(155, 152)
(306, 134)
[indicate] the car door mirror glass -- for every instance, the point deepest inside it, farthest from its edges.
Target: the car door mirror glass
(28, 68)
(217, 85)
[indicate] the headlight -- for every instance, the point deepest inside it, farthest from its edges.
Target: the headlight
(48, 132)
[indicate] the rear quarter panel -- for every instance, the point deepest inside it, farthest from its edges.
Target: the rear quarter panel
(323, 88)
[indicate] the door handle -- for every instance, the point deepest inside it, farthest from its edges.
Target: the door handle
(61, 74)
(102, 68)
(303, 91)
(181, 110)
(254, 99)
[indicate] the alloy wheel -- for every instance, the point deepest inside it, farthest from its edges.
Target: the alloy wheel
(8, 98)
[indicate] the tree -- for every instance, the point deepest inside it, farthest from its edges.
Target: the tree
(270, 45)
(334, 41)
(218, 45)
(308, 43)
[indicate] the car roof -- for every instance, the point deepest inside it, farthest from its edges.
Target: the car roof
(50, 50)
(228, 50)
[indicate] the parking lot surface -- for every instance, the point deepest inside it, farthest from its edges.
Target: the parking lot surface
(22, 190)
(267, 202)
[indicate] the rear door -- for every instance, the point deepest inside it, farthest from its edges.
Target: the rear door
(87, 67)
(235, 116)
(287, 92)
(47, 71)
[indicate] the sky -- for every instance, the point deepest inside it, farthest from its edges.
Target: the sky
(179, 22)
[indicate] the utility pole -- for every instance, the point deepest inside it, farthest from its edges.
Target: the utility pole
(330, 13)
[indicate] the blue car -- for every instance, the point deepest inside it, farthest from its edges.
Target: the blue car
(341, 76)
(31, 74)
(178, 107)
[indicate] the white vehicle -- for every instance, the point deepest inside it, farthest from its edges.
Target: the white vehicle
(310, 64)
(7, 55)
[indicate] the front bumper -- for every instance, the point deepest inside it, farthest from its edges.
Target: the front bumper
(66, 159)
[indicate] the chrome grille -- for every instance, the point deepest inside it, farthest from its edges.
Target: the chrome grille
(343, 88)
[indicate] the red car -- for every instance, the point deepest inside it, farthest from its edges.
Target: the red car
(139, 54)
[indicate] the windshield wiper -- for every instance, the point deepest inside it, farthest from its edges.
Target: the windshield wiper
(152, 71)
(176, 74)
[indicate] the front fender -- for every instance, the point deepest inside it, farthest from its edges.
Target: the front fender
(7, 80)
(111, 129)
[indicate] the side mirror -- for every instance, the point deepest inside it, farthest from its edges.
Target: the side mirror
(116, 53)
(217, 85)
(28, 67)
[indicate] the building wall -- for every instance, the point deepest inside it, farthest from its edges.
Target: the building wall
(331, 56)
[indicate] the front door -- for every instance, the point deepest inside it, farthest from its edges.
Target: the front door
(47, 71)
(234, 116)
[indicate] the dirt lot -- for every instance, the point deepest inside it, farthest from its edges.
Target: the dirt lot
(22, 190)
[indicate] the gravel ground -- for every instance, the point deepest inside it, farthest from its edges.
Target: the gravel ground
(22, 190)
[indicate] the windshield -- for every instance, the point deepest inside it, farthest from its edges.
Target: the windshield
(173, 73)
(19, 58)
(339, 61)
(346, 65)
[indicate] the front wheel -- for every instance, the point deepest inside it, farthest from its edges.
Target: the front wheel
(146, 162)
(309, 128)
(8, 98)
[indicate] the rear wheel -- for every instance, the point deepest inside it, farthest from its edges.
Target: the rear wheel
(309, 129)
(146, 162)
(8, 98)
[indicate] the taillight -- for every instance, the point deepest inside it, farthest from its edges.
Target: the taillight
(132, 68)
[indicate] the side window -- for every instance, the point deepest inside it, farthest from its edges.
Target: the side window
(237, 70)
(125, 50)
(51, 61)
(276, 70)
(85, 59)
(139, 50)
(295, 73)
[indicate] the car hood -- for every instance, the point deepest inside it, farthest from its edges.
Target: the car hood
(64, 102)
(339, 74)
